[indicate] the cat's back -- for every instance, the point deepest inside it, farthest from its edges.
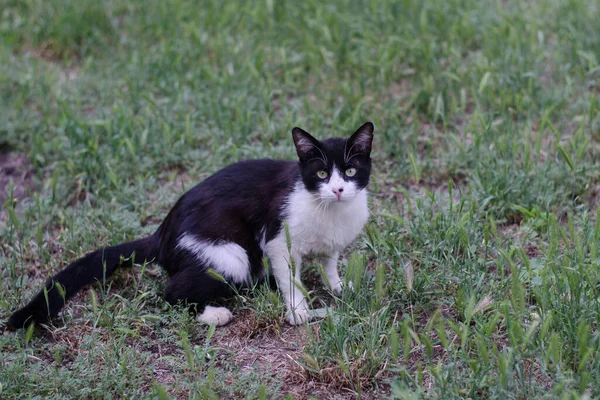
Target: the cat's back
(264, 177)
(241, 197)
(246, 188)
(265, 169)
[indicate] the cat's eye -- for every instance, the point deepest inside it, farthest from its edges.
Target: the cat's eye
(351, 172)
(322, 174)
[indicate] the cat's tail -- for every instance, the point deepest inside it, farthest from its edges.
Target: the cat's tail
(95, 266)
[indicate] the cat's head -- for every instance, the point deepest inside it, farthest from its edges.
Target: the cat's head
(336, 169)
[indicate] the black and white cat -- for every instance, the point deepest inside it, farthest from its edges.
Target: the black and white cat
(230, 220)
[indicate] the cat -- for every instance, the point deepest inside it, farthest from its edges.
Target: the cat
(228, 222)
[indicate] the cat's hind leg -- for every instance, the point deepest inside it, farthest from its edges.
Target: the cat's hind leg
(194, 285)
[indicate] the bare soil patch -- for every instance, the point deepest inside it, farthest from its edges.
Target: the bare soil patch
(15, 168)
(277, 352)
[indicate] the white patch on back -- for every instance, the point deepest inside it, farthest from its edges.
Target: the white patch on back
(228, 259)
(218, 316)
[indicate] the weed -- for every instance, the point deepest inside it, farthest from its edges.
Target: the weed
(477, 275)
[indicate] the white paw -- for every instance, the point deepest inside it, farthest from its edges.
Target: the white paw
(215, 316)
(339, 288)
(298, 317)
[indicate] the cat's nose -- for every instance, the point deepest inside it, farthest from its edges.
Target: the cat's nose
(338, 192)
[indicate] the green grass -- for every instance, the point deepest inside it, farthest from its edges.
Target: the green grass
(478, 274)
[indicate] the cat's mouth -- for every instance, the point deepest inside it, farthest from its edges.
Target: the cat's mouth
(336, 198)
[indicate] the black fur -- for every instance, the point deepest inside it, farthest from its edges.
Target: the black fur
(237, 204)
(95, 266)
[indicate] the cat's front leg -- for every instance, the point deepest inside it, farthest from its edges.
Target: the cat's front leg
(287, 275)
(290, 285)
(332, 278)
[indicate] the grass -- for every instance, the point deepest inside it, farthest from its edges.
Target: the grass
(477, 276)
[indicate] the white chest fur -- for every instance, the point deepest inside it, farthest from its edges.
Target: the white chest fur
(318, 227)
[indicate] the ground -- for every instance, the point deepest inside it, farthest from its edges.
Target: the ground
(14, 168)
(476, 277)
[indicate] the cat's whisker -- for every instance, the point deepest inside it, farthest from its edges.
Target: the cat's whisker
(346, 153)
(322, 153)
(318, 158)
(322, 207)
(351, 157)
(318, 209)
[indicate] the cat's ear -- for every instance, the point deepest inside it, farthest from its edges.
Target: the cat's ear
(360, 142)
(307, 146)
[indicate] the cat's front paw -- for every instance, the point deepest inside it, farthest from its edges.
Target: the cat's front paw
(298, 317)
(339, 288)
